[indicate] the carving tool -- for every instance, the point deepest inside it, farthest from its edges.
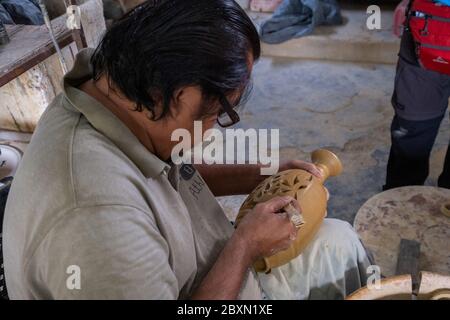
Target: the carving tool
(294, 215)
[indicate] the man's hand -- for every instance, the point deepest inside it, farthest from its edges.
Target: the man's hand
(262, 232)
(299, 164)
(267, 230)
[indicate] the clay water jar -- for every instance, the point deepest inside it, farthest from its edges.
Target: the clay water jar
(311, 196)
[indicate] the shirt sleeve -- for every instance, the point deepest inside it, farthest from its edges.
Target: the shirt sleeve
(103, 252)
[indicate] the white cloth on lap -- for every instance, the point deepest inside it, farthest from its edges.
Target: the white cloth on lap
(332, 266)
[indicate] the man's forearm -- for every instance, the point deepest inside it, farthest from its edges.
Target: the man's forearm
(225, 279)
(224, 180)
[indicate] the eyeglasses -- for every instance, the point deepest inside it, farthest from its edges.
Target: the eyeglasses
(229, 116)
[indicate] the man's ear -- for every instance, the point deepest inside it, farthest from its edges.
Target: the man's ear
(176, 103)
(186, 101)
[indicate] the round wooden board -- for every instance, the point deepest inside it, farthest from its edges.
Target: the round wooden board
(412, 213)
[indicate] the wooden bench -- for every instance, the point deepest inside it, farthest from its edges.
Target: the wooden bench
(30, 70)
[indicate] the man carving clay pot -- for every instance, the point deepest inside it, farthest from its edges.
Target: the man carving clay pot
(96, 193)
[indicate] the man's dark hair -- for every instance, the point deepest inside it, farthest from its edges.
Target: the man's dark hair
(161, 46)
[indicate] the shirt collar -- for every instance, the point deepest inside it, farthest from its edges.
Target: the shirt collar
(105, 121)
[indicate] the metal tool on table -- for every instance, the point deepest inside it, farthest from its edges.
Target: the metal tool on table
(408, 263)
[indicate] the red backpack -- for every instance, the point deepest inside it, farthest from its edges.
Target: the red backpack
(429, 23)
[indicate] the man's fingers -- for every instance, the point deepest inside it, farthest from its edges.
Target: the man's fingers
(310, 167)
(278, 203)
(315, 171)
(293, 236)
(328, 193)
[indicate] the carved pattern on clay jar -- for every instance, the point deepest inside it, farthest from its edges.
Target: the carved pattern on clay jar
(308, 191)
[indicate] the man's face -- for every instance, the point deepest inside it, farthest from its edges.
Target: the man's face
(192, 105)
(186, 107)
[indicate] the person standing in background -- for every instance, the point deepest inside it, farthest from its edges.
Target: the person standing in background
(420, 101)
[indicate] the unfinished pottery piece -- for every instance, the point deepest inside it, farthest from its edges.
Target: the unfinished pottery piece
(311, 196)
(433, 286)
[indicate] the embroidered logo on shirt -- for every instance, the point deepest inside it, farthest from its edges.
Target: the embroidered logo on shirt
(196, 187)
(187, 171)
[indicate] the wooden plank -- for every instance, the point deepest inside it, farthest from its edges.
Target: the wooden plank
(30, 45)
(32, 74)
(92, 21)
(24, 99)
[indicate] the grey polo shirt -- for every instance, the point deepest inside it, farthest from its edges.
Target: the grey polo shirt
(93, 214)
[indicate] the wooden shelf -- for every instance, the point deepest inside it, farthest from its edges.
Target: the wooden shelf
(29, 46)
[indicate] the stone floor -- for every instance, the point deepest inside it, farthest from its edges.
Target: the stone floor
(341, 106)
